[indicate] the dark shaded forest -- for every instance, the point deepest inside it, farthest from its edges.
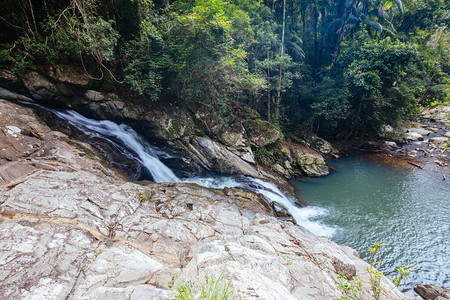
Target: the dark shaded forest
(338, 68)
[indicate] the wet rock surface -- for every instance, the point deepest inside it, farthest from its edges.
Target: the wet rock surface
(431, 292)
(71, 229)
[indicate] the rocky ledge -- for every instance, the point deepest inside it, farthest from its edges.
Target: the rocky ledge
(71, 228)
(210, 142)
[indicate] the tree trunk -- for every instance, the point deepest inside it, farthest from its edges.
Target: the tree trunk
(277, 108)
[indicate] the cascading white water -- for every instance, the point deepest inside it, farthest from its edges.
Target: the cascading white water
(302, 215)
(146, 155)
(129, 138)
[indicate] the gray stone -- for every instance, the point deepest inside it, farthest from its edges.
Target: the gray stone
(391, 144)
(217, 157)
(413, 136)
(420, 131)
(94, 96)
(309, 161)
(439, 140)
(8, 95)
(322, 146)
(262, 133)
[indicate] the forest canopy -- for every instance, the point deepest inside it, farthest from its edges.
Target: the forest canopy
(340, 68)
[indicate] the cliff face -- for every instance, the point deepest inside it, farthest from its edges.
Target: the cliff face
(71, 228)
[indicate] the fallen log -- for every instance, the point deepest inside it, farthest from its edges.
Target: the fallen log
(415, 165)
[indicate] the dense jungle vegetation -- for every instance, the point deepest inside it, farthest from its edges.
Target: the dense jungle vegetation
(339, 68)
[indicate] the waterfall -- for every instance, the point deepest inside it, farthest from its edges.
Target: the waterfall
(129, 138)
(132, 145)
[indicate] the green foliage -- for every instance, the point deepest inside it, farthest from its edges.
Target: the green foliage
(211, 288)
(331, 105)
(350, 289)
(375, 282)
(194, 52)
(72, 32)
(375, 73)
(375, 275)
(264, 156)
(402, 273)
(347, 66)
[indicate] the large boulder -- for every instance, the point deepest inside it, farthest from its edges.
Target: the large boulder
(229, 131)
(431, 292)
(322, 146)
(262, 133)
(216, 157)
(413, 136)
(167, 124)
(308, 160)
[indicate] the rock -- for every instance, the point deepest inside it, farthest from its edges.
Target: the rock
(420, 131)
(45, 90)
(8, 95)
(232, 135)
(391, 144)
(309, 161)
(68, 74)
(386, 130)
(94, 96)
(282, 212)
(230, 132)
(27, 145)
(413, 136)
(431, 292)
(216, 157)
(262, 133)
(447, 134)
(70, 230)
(247, 155)
(437, 113)
(245, 112)
(438, 140)
(281, 170)
(322, 146)
(164, 125)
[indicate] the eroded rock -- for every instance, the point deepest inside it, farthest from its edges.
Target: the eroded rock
(71, 231)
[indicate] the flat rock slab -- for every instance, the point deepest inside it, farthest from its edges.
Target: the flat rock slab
(72, 234)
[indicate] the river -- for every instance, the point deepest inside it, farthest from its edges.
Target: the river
(407, 209)
(361, 203)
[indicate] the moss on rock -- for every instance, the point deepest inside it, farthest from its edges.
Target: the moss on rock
(262, 133)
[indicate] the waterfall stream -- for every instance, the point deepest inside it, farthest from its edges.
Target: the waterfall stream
(133, 146)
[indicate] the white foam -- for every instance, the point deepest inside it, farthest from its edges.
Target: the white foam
(130, 139)
(214, 182)
(302, 215)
